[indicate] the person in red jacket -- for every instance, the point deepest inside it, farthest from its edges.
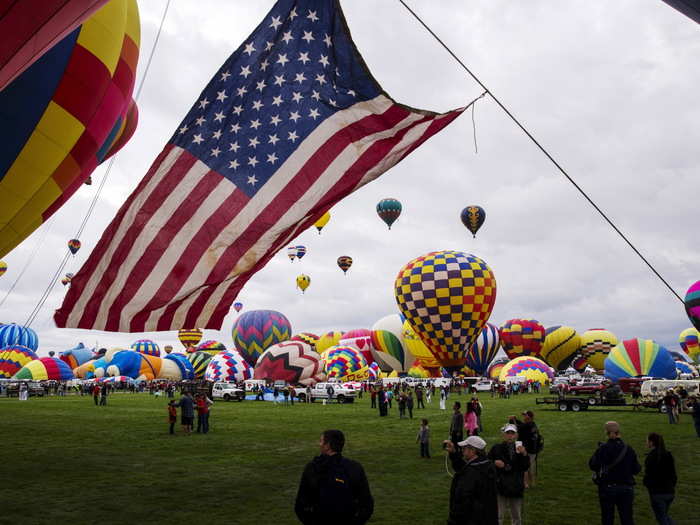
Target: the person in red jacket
(172, 415)
(202, 404)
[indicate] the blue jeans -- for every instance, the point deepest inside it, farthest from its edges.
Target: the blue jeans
(203, 423)
(660, 503)
(671, 416)
(620, 496)
(424, 450)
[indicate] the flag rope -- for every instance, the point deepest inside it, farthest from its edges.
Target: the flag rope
(543, 150)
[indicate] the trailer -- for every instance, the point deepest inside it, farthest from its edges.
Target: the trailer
(579, 403)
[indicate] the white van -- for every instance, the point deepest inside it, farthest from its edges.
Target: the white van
(659, 387)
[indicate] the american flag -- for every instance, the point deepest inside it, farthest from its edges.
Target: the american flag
(291, 123)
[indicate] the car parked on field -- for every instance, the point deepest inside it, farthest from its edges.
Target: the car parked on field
(227, 392)
(483, 386)
(585, 388)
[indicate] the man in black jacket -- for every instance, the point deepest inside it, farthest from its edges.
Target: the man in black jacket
(511, 462)
(457, 424)
(529, 434)
(333, 489)
(616, 465)
(473, 490)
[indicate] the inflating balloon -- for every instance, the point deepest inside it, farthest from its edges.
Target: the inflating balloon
(447, 297)
(257, 330)
(417, 348)
(303, 282)
(147, 347)
(685, 368)
(292, 253)
(3, 268)
(228, 366)
(45, 368)
(560, 346)
(345, 363)
(322, 221)
(68, 112)
(176, 367)
(529, 367)
(373, 372)
(190, 337)
(389, 210)
(306, 337)
(361, 339)
(522, 337)
(290, 361)
(211, 347)
(596, 345)
(301, 251)
(13, 334)
(473, 218)
(688, 340)
(238, 307)
(344, 263)
(483, 350)
(692, 304)
(392, 323)
(388, 351)
(75, 357)
(199, 361)
(418, 371)
(494, 369)
(13, 358)
(639, 357)
(74, 245)
(327, 340)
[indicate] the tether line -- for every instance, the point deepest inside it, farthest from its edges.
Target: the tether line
(543, 150)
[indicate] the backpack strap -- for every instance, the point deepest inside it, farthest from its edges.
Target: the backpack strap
(618, 458)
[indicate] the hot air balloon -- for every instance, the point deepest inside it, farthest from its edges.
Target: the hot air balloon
(257, 330)
(74, 245)
(75, 357)
(238, 307)
(494, 369)
(13, 334)
(344, 263)
(211, 347)
(189, 336)
(65, 280)
(199, 361)
(360, 338)
(529, 367)
(345, 363)
(3, 268)
(327, 340)
(389, 210)
(301, 251)
(595, 346)
(692, 304)
(473, 218)
(639, 357)
(688, 340)
(684, 368)
(560, 346)
(447, 297)
(417, 348)
(228, 366)
(292, 253)
(176, 367)
(131, 364)
(13, 358)
(67, 112)
(306, 337)
(392, 323)
(322, 221)
(146, 346)
(290, 361)
(483, 350)
(303, 282)
(45, 368)
(520, 337)
(420, 372)
(388, 351)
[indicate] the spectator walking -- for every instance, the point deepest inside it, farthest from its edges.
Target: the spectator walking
(333, 488)
(276, 395)
(103, 395)
(473, 493)
(478, 407)
(615, 465)
(670, 402)
(373, 398)
(660, 478)
(409, 404)
(382, 399)
(694, 404)
(285, 394)
(457, 423)
(292, 393)
(389, 397)
(511, 462)
(424, 439)
(203, 403)
(96, 394)
(172, 416)
(419, 397)
(402, 405)
(443, 398)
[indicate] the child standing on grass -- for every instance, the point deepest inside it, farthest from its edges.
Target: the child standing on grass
(172, 416)
(424, 439)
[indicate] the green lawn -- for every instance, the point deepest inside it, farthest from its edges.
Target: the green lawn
(63, 460)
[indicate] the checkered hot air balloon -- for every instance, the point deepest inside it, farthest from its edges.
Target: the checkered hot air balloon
(483, 350)
(228, 366)
(290, 361)
(200, 361)
(146, 347)
(522, 337)
(447, 297)
(189, 336)
(417, 348)
(561, 343)
(13, 358)
(596, 344)
(529, 367)
(14, 334)
(45, 368)
(639, 357)
(345, 363)
(257, 330)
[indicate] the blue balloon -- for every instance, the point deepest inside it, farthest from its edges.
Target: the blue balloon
(14, 334)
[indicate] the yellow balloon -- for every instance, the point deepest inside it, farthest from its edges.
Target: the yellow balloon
(596, 345)
(328, 340)
(417, 347)
(303, 282)
(322, 221)
(560, 346)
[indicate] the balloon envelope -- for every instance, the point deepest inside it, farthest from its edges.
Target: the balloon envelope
(447, 297)
(75, 357)
(13, 358)
(199, 361)
(692, 304)
(211, 347)
(522, 337)
(560, 346)
(45, 368)
(596, 344)
(306, 337)
(529, 367)
(228, 366)
(190, 337)
(483, 350)
(473, 218)
(639, 357)
(237, 306)
(689, 341)
(146, 346)
(319, 224)
(345, 363)
(389, 353)
(417, 347)
(290, 361)
(303, 282)
(257, 330)
(13, 334)
(360, 338)
(327, 340)
(389, 210)
(344, 262)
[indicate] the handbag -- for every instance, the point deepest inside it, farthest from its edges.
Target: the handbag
(599, 475)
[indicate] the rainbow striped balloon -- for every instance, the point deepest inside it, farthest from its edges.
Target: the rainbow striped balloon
(13, 358)
(388, 351)
(343, 362)
(45, 368)
(639, 357)
(692, 304)
(689, 341)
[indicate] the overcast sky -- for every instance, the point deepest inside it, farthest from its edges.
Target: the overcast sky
(609, 88)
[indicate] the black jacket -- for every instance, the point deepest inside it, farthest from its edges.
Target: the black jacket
(509, 480)
(660, 472)
(621, 474)
(473, 492)
(309, 508)
(528, 433)
(457, 424)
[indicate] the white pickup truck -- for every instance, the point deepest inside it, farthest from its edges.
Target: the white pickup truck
(227, 392)
(320, 391)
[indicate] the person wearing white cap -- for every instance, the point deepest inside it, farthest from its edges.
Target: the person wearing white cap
(473, 489)
(511, 461)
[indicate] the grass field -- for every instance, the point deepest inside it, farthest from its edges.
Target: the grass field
(63, 460)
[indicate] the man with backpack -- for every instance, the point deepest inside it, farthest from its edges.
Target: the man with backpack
(614, 465)
(333, 488)
(529, 434)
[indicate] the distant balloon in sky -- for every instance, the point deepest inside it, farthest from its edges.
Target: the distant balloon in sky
(292, 253)
(3, 267)
(190, 337)
(692, 304)
(322, 221)
(238, 306)
(473, 218)
(344, 263)
(74, 245)
(389, 210)
(301, 251)
(303, 282)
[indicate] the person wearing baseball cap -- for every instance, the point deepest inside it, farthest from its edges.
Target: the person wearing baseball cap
(511, 462)
(473, 490)
(529, 434)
